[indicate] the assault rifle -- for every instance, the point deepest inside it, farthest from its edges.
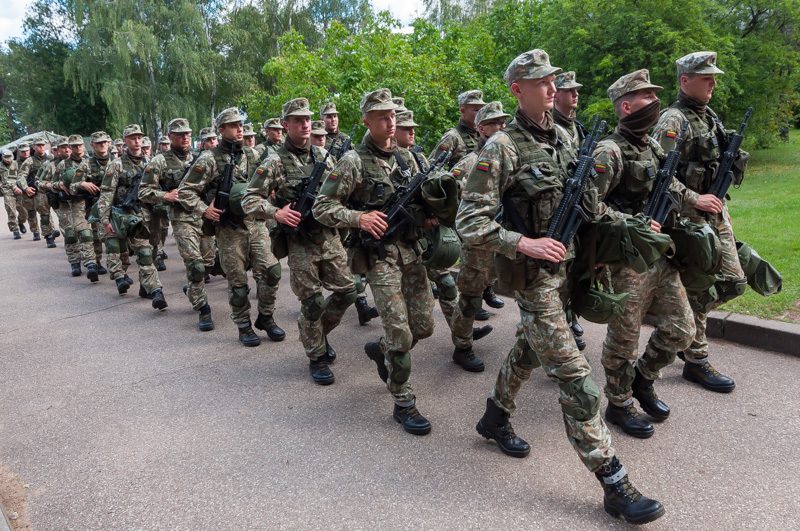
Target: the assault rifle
(308, 192)
(661, 203)
(396, 208)
(570, 214)
(223, 195)
(132, 197)
(723, 178)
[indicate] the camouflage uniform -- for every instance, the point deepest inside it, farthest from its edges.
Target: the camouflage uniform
(334, 139)
(463, 138)
(705, 138)
(269, 147)
(363, 180)
(93, 171)
(626, 165)
(240, 241)
(503, 167)
(120, 177)
(574, 129)
(45, 183)
(8, 177)
(316, 256)
(78, 234)
(26, 174)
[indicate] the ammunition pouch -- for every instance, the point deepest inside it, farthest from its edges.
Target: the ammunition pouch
(441, 247)
(124, 222)
(595, 303)
(761, 275)
(697, 255)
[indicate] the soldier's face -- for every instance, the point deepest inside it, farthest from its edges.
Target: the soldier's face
(134, 144)
(535, 96)
(487, 129)
(211, 143)
(381, 125)
(101, 148)
(468, 112)
(249, 141)
(318, 140)
(182, 141)
(64, 152)
(233, 132)
(331, 122)
(566, 99)
(275, 135)
(298, 128)
(405, 136)
(146, 150)
(699, 86)
(639, 100)
(24, 154)
(164, 147)
(39, 149)
(77, 151)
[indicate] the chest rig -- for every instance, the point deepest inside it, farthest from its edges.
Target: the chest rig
(700, 155)
(639, 169)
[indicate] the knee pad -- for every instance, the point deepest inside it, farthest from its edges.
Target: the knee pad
(238, 296)
(342, 300)
(312, 307)
(86, 236)
(447, 287)
(469, 305)
(401, 366)
(727, 290)
(113, 246)
(70, 236)
(274, 275)
(196, 272)
(144, 256)
(580, 399)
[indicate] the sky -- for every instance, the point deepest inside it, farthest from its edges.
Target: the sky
(13, 11)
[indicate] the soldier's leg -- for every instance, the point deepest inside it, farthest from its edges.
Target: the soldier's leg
(472, 280)
(336, 278)
(85, 235)
(30, 207)
(188, 237)
(233, 252)
(113, 257)
(304, 273)
(148, 276)
(97, 242)
(10, 203)
(447, 290)
(266, 268)
(42, 206)
(419, 300)
(208, 250)
(22, 212)
(71, 237)
(516, 369)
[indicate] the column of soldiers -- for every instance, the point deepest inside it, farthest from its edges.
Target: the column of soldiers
(307, 195)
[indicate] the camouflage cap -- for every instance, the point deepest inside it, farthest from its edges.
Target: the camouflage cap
(118, 142)
(23, 146)
(471, 97)
(296, 107)
(62, 141)
(534, 64)
(41, 141)
(273, 123)
(406, 119)
(328, 108)
(401, 104)
(318, 128)
(207, 132)
(248, 130)
(698, 63)
(163, 140)
(132, 129)
(639, 80)
(377, 100)
(75, 140)
(178, 125)
(100, 136)
(146, 141)
(7, 154)
(566, 81)
(231, 115)
(491, 111)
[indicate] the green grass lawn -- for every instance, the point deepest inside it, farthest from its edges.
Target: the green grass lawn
(766, 214)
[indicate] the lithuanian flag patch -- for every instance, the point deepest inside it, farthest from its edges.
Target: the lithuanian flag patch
(483, 166)
(456, 172)
(600, 168)
(671, 134)
(333, 176)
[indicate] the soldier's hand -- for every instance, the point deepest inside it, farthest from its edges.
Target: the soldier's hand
(373, 222)
(542, 249)
(212, 212)
(90, 187)
(655, 226)
(709, 203)
(30, 191)
(430, 223)
(171, 196)
(17, 191)
(108, 228)
(288, 216)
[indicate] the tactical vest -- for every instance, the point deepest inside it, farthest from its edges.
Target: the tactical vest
(466, 136)
(126, 177)
(292, 186)
(35, 166)
(639, 169)
(175, 170)
(221, 159)
(700, 155)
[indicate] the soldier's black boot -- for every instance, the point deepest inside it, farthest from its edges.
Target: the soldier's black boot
(622, 499)
(128, 280)
(22, 228)
(55, 233)
(247, 337)
(159, 263)
(143, 293)
(75, 269)
(479, 332)
(101, 270)
(579, 342)
(491, 299)
(467, 359)
(320, 372)
(122, 285)
(159, 302)
(365, 312)
(481, 314)
(375, 353)
(435, 291)
(267, 324)
(17, 235)
(577, 329)
(495, 425)
(205, 323)
(411, 420)
(705, 374)
(51, 242)
(628, 418)
(37, 236)
(91, 272)
(330, 354)
(643, 392)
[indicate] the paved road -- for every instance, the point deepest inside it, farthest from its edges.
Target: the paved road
(115, 416)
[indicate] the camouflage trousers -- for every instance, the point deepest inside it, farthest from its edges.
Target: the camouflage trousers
(660, 293)
(159, 228)
(197, 251)
(477, 272)
(248, 247)
(313, 267)
(42, 206)
(77, 233)
(28, 204)
(137, 242)
(448, 292)
(10, 203)
(731, 271)
(404, 300)
(97, 241)
(544, 339)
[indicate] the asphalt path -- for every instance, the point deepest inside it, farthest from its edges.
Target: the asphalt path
(115, 416)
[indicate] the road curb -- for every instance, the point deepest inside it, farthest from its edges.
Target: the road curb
(5, 525)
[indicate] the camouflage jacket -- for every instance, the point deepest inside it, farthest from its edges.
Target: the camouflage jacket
(199, 186)
(119, 179)
(28, 169)
(92, 169)
(334, 140)
(8, 177)
(460, 141)
(162, 174)
(49, 174)
(574, 129)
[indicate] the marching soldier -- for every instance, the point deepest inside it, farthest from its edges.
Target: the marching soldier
(565, 106)
(331, 118)
(319, 135)
(88, 185)
(8, 177)
(78, 237)
(273, 132)
(163, 144)
(463, 138)
(26, 175)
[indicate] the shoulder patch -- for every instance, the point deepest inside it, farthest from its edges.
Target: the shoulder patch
(456, 172)
(600, 168)
(260, 171)
(333, 176)
(483, 166)
(671, 133)
(198, 168)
